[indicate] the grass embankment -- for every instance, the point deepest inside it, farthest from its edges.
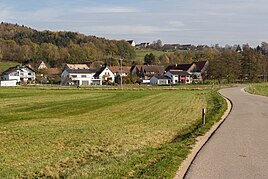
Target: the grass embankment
(258, 88)
(88, 133)
(5, 65)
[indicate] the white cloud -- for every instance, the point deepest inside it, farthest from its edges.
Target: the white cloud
(132, 29)
(176, 24)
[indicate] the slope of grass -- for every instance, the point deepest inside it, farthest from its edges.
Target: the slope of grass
(5, 65)
(89, 133)
(258, 88)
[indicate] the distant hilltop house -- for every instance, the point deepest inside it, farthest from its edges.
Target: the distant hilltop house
(21, 74)
(77, 74)
(142, 45)
(132, 43)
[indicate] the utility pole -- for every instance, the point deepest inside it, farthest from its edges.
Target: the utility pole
(121, 82)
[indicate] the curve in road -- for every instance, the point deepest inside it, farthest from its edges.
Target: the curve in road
(239, 148)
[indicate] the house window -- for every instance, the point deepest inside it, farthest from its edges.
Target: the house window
(74, 76)
(83, 76)
(29, 74)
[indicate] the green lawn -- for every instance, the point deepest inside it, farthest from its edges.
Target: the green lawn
(258, 88)
(5, 65)
(142, 53)
(105, 134)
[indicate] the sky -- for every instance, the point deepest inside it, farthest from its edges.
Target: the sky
(173, 21)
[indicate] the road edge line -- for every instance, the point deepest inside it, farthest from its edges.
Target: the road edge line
(185, 166)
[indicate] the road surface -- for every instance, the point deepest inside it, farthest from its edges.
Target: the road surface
(239, 148)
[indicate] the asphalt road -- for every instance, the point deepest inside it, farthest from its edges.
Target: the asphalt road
(239, 148)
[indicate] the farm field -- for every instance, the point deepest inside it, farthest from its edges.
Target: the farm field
(258, 88)
(5, 65)
(94, 133)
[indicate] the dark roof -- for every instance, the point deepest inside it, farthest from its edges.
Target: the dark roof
(161, 77)
(200, 65)
(153, 68)
(181, 67)
(183, 73)
(100, 70)
(10, 70)
(179, 73)
(13, 69)
(86, 71)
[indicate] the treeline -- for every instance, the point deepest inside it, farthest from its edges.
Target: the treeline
(20, 43)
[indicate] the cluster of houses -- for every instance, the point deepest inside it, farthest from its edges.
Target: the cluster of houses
(82, 74)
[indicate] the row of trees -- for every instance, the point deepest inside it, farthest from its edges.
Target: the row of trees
(20, 44)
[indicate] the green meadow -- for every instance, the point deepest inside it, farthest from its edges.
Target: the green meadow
(6, 65)
(100, 133)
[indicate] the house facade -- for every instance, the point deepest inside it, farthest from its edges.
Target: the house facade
(77, 74)
(160, 80)
(103, 76)
(179, 77)
(21, 74)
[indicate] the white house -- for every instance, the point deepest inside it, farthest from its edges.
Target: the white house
(160, 80)
(103, 75)
(179, 77)
(77, 74)
(132, 43)
(21, 74)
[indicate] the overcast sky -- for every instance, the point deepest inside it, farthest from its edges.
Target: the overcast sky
(173, 21)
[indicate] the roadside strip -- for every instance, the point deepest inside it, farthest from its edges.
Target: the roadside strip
(201, 141)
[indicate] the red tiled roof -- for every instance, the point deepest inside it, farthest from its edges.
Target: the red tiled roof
(117, 69)
(53, 71)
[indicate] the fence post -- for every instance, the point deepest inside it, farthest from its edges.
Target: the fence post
(204, 116)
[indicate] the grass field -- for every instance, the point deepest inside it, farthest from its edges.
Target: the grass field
(104, 134)
(140, 54)
(258, 88)
(5, 65)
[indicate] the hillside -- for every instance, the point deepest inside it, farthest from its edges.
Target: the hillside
(20, 43)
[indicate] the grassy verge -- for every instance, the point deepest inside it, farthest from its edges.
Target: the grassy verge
(107, 134)
(258, 88)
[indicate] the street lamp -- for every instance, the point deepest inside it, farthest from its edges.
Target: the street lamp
(121, 72)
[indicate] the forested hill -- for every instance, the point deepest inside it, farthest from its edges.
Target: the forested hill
(20, 43)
